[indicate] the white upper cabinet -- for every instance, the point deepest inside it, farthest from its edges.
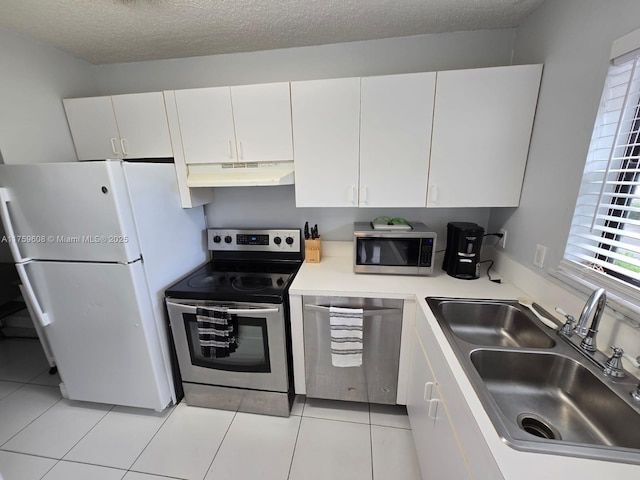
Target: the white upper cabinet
(481, 132)
(262, 116)
(93, 126)
(120, 126)
(250, 123)
(206, 125)
(395, 139)
(142, 123)
(326, 135)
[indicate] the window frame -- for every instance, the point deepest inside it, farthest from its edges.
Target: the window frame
(622, 295)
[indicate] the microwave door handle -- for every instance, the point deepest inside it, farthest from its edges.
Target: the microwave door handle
(365, 313)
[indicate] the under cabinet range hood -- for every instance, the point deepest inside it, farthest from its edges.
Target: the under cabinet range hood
(240, 174)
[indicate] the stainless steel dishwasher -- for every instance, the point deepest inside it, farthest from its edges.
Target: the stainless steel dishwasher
(376, 380)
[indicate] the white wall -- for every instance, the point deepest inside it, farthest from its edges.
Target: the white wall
(275, 206)
(573, 39)
(35, 77)
(443, 51)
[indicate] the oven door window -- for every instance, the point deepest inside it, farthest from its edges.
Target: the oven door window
(251, 354)
(391, 252)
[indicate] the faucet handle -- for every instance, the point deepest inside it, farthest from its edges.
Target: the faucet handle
(636, 394)
(617, 351)
(567, 328)
(635, 361)
(565, 314)
(613, 366)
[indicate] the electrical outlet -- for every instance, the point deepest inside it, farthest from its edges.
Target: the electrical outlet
(541, 252)
(502, 242)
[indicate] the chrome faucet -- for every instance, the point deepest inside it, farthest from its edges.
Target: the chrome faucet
(597, 300)
(611, 366)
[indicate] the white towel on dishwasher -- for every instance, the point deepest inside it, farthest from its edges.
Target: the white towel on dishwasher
(346, 336)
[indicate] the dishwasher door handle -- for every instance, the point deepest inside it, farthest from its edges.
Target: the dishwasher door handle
(365, 313)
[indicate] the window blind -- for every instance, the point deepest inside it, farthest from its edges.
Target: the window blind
(604, 239)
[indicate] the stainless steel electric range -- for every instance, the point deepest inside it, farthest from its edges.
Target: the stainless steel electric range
(230, 322)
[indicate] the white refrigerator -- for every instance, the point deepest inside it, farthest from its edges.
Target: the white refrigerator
(96, 244)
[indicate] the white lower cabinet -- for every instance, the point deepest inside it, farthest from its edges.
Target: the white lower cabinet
(448, 440)
(439, 453)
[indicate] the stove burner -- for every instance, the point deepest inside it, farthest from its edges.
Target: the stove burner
(251, 283)
(207, 280)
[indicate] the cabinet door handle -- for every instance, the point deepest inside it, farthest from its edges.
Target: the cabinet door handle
(229, 148)
(353, 192)
(433, 193)
(240, 151)
(124, 148)
(364, 197)
(428, 391)
(433, 408)
(113, 146)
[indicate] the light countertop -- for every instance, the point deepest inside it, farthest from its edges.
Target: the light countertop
(334, 276)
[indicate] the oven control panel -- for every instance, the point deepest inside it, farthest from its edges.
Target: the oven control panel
(284, 240)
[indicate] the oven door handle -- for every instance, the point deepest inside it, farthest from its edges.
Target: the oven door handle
(251, 311)
(185, 305)
(365, 313)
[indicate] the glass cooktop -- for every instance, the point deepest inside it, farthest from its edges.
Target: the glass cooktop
(248, 281)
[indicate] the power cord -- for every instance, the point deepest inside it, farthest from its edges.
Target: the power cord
(494, 280)
(499, 235)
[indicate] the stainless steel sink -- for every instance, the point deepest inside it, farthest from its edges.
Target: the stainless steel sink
(500, 324)
(540, 394)
(555, 397)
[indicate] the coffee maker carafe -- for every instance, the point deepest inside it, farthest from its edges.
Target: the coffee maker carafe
(462, 256)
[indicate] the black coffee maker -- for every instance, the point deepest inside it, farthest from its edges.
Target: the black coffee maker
(462, 256)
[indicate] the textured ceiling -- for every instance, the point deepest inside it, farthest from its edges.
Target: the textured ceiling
(114, 31)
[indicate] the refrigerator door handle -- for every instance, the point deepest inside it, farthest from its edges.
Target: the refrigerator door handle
(5, 198)
(43, 318)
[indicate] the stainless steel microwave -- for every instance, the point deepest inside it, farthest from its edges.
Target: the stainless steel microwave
(393, 251)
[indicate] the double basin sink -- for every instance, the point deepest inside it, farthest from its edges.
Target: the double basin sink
(541, 395)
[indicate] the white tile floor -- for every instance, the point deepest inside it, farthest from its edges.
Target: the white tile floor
(43, 436)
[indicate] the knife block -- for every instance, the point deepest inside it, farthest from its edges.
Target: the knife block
(312, 250)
